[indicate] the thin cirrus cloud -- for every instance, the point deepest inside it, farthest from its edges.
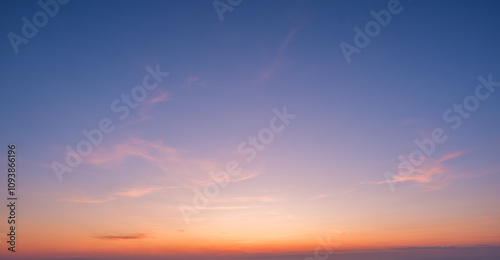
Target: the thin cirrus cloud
(245, 176)
(162, 97)
(450, 156)
(131, 193)
(139, 192)
(230, 207)
(277, 61)
(145, 108)
(85, 199)
(431, 175)
(122, 237)
(195, 82)
(179, 170)
(331, 194)
(322, 196)
(261, 199)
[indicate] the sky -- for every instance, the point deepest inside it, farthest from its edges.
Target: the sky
(199, 129)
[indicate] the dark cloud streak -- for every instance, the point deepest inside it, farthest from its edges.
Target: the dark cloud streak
(122, 237)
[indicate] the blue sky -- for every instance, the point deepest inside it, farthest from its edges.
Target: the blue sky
(323, 174)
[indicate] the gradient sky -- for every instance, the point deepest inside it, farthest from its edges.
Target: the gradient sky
(322, 176)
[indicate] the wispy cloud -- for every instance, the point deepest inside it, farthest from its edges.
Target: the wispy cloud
(230, 207)
(131, 193)
(122, 237)
(145, 109)
(431, 174)
(85, 199)
(331, 194)
(195, 82)
(277, 61)
(162, 97)
(260, 199)
(180, 170)
(450, 156)
(138, 192)
(322, 196)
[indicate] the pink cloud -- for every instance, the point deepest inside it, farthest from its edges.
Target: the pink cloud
(431, 175)
(450, 156)
(331, 194)
(261, 199)
(138, 192)
(322, 196)
(160, 98)
(85, 199)
(144, 109)
(178, 169)
(230, 207)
